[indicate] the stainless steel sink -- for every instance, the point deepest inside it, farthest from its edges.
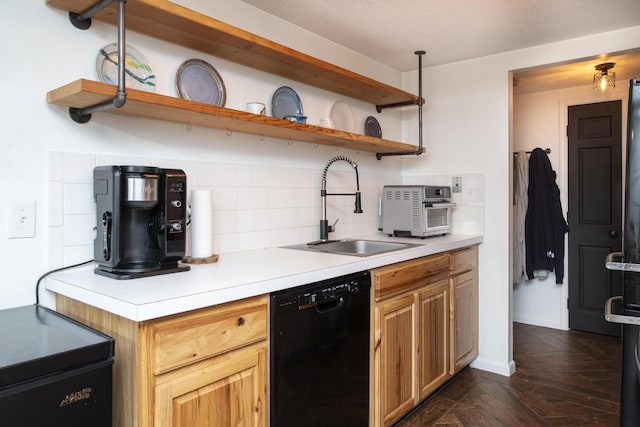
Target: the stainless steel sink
(360, 248)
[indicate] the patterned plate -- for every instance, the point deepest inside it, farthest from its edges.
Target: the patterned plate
(138, 73)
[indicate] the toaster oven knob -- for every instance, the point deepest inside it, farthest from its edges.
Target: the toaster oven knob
(176, 226)
(176, 203)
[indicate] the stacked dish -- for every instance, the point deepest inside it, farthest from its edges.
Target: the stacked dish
(285, 102)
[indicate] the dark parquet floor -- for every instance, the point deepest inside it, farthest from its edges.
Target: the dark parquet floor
(563, 378)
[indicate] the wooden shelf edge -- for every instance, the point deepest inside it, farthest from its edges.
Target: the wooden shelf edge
(84, 93)
(177, 24)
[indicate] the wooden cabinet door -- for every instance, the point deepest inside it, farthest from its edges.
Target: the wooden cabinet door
(433, 337)
(395, 344)
(464, 315)
(224, 391)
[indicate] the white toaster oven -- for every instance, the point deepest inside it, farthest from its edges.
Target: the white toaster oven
(416, 210)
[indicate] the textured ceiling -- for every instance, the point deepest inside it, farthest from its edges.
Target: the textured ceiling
(389, 31)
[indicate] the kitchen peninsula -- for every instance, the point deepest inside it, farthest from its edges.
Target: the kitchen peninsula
(203, 334)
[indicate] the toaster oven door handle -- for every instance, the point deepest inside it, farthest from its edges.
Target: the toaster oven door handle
(439, 205)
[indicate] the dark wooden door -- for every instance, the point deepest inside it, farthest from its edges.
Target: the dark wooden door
(595, 212)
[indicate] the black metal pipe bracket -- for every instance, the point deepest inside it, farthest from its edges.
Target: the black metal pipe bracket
(83, 21)
(419, 102)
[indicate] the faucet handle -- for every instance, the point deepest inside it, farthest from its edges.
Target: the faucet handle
(358, 208)
(332, 227)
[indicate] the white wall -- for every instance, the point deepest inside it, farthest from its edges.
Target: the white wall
(468, 129)
(540, 120)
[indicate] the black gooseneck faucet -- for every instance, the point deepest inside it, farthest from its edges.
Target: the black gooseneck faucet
(325, 228)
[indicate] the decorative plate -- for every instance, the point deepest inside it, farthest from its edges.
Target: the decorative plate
(372, 127)
(138, 73)
(286, 102)
(342, 117)
(198, 81)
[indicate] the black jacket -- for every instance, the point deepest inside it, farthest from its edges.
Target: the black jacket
(545, 225)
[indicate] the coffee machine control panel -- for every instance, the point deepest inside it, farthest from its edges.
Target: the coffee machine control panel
(175, 191)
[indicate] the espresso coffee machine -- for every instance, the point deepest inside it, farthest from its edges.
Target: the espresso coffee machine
(141, 221)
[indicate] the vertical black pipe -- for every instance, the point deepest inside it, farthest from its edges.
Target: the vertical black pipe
(420, 53)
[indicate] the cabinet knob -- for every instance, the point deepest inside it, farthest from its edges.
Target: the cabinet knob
(240, 321)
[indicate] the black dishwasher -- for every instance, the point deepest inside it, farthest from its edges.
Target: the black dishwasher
(53, 370)
(320, 353)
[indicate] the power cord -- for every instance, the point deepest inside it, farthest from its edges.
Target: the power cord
(55, 271)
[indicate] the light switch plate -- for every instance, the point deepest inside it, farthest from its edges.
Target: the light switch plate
(22, 219)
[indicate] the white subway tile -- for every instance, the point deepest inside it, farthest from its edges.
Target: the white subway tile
(78, 167)
(78, 199)
(55, 165)
(55, 202)
(208, 174)
(246, 221)
(227, 222)
(246, 198)
(78, 230)
(246, 241)
(228, 175)
(246, 176)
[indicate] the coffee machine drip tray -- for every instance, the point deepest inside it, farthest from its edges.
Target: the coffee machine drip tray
(140, 270)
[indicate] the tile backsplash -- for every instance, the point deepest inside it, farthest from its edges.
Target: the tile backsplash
(254, 206)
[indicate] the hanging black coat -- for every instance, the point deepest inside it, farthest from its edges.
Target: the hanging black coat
(545, 225)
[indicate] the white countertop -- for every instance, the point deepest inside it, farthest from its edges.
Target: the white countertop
(235, 276)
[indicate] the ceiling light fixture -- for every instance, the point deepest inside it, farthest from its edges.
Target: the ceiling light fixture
(604, 78)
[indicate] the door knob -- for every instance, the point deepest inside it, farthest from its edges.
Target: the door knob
(613, 233)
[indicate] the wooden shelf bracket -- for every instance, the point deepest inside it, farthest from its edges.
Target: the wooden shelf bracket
(419, 102)
(83, 21)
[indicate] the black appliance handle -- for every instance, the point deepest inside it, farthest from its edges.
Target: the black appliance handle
(615, 261)
(107, 223)
(637, 354)
(327, 307)
(610, 317)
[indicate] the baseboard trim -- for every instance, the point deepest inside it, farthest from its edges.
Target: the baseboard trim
(506, 369)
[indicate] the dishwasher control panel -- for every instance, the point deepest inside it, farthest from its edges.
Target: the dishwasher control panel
(323, 292)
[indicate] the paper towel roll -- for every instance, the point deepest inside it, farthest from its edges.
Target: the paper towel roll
(201, 224)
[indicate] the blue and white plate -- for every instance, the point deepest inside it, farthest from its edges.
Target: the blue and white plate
(138, 74)
(286, 102)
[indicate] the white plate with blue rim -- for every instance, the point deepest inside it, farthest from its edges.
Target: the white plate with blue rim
(138, 74)
(286, 102)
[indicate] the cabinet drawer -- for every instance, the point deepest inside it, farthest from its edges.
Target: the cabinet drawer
(463, 260)
(184, 339)
(403, 276)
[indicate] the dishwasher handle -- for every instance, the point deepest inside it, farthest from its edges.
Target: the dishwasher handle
(327, 307)
(610, 317)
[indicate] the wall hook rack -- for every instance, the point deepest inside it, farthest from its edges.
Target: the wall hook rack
(419, 102)
(83, 21)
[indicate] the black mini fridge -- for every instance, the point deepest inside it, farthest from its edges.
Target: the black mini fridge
(53, 371)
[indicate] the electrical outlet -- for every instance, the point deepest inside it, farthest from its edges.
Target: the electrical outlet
(456, 186)
(22, 219)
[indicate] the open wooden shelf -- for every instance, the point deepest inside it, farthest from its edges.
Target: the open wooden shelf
(85, 93)
(177, 24)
